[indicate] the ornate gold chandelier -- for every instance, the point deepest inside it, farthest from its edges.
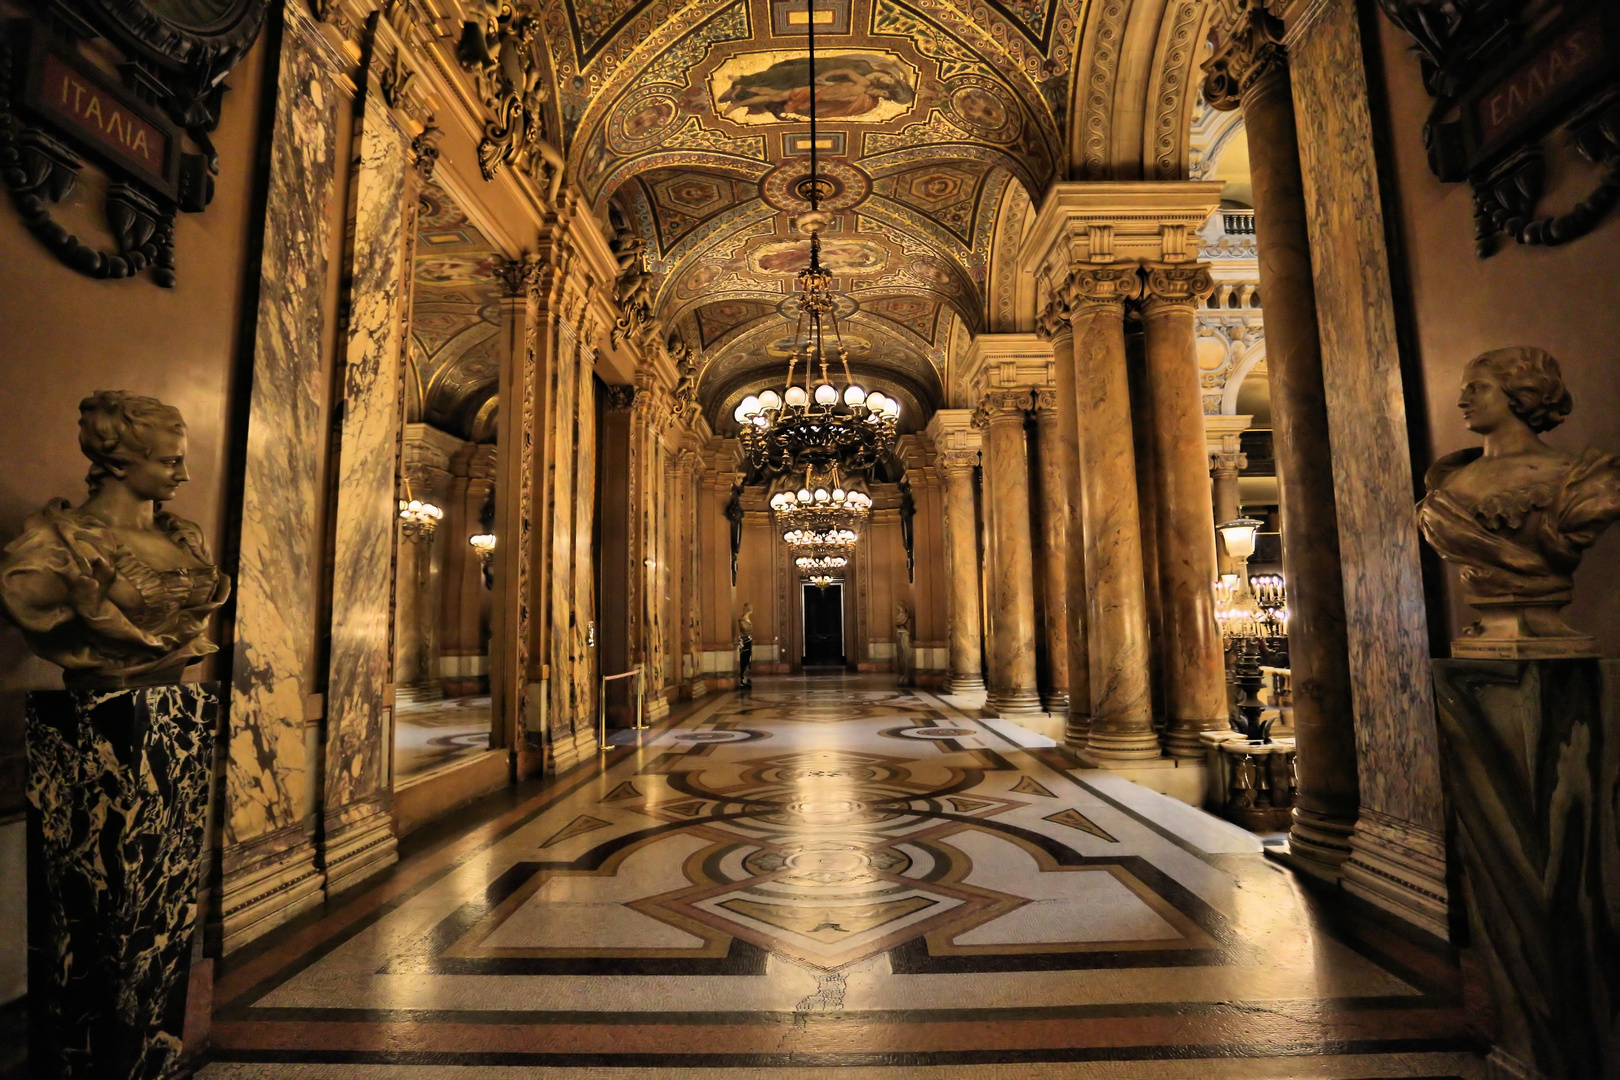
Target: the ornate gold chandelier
(816, 422)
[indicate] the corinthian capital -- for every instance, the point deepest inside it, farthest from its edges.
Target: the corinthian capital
(522, 275)
(1249, 49)
(1183, 284)
(1054, 317)
(1001, 405)
(1103, 286)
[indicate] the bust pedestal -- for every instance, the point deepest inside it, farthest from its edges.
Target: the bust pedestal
(1531, 751)
(118, 792)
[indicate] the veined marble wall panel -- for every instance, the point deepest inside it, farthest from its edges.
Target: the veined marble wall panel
(1389, 645)
(268, 861)
(1399, 855)
(582, 655)
(358, 832)
(563, 472)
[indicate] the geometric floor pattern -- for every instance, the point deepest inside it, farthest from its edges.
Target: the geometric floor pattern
(834, 877)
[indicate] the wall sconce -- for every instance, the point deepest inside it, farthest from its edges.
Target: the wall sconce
(417, 518)
(484, 544)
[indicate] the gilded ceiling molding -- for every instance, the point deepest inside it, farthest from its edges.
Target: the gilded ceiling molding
(1184, 29)
(1092, 123)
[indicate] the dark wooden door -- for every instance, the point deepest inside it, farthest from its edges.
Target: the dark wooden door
(823, 625)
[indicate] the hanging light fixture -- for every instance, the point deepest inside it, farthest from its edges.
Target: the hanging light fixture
(821, 581)
(817, 420)
(823, 504)
(418, 519)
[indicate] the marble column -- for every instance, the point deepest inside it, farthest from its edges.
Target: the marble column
(1250, 71)
(1224, 468)
(1054, 536)
(1194, 662)
(1121, 701)
(1055, 324)
(961, 538)
(1013, 688)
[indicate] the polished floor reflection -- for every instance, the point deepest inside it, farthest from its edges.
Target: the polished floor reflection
(835, 874)
(434, 735)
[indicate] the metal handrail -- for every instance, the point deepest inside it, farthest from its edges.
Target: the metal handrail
(601, 703)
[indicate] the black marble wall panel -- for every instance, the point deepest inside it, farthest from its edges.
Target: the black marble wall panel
(117, 792)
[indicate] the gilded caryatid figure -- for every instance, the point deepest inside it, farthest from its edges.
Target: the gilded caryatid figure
(117, 591)
(1516, 515)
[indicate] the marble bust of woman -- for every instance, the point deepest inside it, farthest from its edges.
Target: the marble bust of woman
(117, 591)
(1515, 514)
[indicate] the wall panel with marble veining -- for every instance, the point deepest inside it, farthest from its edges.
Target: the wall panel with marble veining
(1399, 846)
(582, 665)
(562, 472)
(358, 833)
(268, 863)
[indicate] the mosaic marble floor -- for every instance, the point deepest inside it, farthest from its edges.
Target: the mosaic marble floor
(431, 735)
(833, 877)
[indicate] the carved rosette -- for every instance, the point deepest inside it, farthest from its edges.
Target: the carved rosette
(1250, 50)
(1176, 284)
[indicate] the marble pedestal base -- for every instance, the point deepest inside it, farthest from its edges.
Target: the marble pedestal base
(1531, 751)
(1014, 703)
(118, 794)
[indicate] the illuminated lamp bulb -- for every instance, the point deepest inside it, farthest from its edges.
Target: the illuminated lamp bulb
(770, 401)
(796, 396)
(804, 495)
(891, 408)
(822, 496)
(874, 401)
(839, 495)
(854, 395)
(826, 394)
(738, 415)
(750, 405)
(760, 420)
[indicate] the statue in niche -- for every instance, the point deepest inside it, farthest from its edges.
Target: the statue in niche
(904, 656)
(1515, 515)
(117, 592)
(745, 647)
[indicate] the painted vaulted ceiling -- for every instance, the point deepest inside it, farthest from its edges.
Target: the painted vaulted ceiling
(689, 119)
(453, 376)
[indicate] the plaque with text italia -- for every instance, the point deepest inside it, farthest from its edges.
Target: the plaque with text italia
(99, 116)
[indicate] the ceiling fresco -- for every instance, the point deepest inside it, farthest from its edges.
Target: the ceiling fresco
(455, 319)
(691, 120)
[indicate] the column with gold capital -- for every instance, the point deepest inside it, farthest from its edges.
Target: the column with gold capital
(1250, 70)
(1054, 546)
(1054, 324)
(961, 536)
(1013, 688)
(1194, 669)
(1121, 704)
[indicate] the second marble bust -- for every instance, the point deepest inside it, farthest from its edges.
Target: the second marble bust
(117, 591)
